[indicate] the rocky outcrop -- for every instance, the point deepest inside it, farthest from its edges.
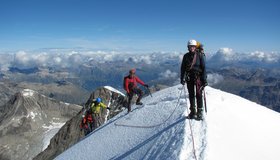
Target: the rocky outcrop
(264, 95)
(7, 89)
(28, 120)
(60, 90)
(70, 133)
(258, 85)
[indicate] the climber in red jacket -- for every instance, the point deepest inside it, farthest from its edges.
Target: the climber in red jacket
(130, 86)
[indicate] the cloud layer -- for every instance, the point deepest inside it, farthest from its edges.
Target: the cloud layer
(168, 74)
(228, 55)
(62, 58)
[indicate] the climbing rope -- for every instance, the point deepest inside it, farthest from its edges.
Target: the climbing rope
(152, 126)
(190, 127)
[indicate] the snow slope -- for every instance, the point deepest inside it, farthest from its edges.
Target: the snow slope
(234, 129)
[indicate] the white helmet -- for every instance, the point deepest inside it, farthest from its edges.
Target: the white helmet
(192, 42)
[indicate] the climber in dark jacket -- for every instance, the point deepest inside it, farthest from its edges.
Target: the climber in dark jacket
(194, 73)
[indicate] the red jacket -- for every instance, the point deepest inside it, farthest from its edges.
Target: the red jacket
(85, 120)
(133, 81)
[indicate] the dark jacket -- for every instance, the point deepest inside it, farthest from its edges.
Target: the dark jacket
(197, 69)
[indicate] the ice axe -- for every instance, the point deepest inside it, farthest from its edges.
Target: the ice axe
(148, 89)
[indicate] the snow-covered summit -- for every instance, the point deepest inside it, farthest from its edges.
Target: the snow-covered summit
(27, 92)
(113, 90)
(234, 128)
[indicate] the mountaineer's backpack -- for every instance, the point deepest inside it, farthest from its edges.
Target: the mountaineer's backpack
(124, 82)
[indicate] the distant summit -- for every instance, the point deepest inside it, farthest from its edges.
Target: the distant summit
(70, 133)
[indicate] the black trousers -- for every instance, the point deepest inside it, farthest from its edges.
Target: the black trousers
(134, 91)
(194, 86)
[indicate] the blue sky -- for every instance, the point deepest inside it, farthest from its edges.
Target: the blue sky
(139, 25)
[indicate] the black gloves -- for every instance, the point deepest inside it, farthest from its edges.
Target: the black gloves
(129, 94)
(205, 84)
(108, 108)
(183, 82)
(145, 85)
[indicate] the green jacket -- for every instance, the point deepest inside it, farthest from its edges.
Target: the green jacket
(96, 107)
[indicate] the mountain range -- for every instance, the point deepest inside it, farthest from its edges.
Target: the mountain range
(32, 84)
(28, 121)
(71, 75)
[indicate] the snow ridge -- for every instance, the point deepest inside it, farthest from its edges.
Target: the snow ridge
(232, 130)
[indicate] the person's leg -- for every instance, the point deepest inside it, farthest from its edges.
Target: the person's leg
(190, 85)
(139, 93)
(99, 119)
(89, 126)
(199, 99)
(130, 96)
(95, 121)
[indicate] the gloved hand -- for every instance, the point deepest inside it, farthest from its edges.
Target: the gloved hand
(145, 85)
(128, 94)
(204, 84)
(183, 82)
(108, 108)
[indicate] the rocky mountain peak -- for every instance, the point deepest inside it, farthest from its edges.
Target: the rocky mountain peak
(70, 133)
(27, 119)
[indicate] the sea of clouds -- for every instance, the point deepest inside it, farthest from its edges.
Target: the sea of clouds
(70, 57)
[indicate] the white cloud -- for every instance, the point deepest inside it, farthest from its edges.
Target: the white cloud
(6, 61)
(214, 78)
(168, 74)
(266, 57)
(71, 58)
(109, 57)
(40, 59)
(225, 51)
(225, 54)
(228, 55)
(22, 58)
(146, 59)
(57, 60)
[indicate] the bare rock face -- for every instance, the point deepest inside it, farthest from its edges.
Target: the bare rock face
(28, 121)
(266, 95)
(70, 133)
(7, 90)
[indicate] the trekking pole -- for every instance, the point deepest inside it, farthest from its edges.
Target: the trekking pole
(149, 91)
(205, 101)
(203, 90)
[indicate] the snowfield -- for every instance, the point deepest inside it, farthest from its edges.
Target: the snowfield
(234, 129)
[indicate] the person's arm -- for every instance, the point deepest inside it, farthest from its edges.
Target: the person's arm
(203, 68)
(183, 69)
(139, 81)
(104, 106)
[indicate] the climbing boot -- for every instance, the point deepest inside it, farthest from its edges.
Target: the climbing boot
(139, 103)
(192, 115)
(199, 115)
